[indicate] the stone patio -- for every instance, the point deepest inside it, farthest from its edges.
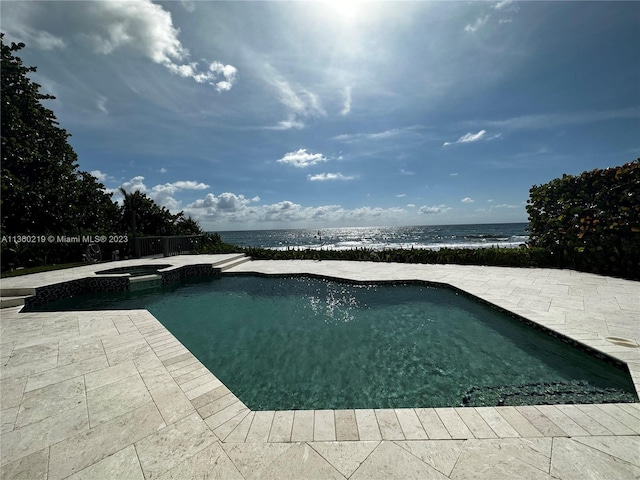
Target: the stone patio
(112, 394)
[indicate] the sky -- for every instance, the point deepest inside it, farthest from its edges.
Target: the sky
(273, 114)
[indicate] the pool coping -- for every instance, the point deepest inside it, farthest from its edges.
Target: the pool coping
(154, 376)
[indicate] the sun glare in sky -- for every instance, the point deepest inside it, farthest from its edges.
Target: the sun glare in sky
(346, 10)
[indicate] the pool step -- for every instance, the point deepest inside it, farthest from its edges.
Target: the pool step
(144, 281)
(14, 297)
(226, 265)
(8, 302)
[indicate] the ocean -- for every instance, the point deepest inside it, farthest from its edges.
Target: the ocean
(506, 235)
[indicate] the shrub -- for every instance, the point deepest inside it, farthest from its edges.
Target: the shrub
(590, 222)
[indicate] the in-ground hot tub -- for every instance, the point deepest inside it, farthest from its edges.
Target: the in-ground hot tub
(135, 270)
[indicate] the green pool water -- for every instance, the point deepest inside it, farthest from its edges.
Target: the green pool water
(308, 343)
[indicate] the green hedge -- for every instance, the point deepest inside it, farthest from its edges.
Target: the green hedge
(505, 257)
(590, 222)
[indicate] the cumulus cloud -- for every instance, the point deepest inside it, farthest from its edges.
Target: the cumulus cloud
(106, 27)
(225, 202)
(467, 200)
(302, 158)
(190, 185)
(163, 194)
(433, 210)
(468, 138)
(101, 176)
(228, 209)
(321, 177)
(135, 184)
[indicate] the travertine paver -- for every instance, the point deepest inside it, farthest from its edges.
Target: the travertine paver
(112, 394)
(346, 426)
(324, 427)
(302, 430)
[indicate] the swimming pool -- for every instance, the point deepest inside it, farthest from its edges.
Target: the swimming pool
(309, 343)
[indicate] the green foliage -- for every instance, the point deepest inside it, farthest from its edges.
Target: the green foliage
(147, 218)
(590, 222)
(506, 257)
(44, 192)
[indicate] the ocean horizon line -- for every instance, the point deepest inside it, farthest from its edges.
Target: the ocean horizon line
(367, 226)
(509, 235)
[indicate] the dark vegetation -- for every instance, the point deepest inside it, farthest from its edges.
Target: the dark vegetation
(589, 222)
(44, 192)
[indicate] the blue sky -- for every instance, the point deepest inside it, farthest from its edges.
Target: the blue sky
(259, 115)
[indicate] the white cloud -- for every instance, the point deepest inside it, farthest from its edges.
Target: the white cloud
(17, 22)
(406, 172)
(480, 21)
(101, 103)
(163, 170)
(391, 133)
(555, 120)
(163, 194)
(321, 177)
(229, 73)
(299, 100)
(401, 195)
(107, 27)
(135, 184)
(229, 209)
(101, 176)
(502, 4)
(433, 210)
(453, 174)
(230, 202)
(290, 122)
(346, 107)
(411, 205)
(468, 138)
(467, 200)
(302, 159)
(190, 185)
